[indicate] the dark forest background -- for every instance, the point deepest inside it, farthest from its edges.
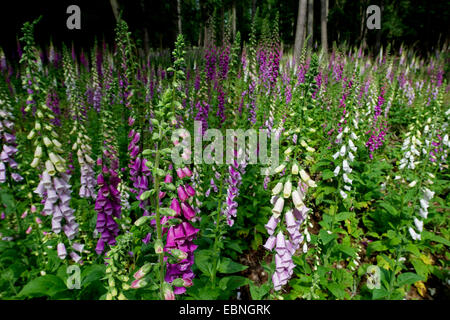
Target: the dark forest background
(155, 24)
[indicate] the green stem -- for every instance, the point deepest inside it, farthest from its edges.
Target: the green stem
(158, 226)
(216, 238)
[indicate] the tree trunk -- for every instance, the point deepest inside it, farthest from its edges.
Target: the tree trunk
(310, 32)
(300, 30)
(222, 24)
(234, 19)
(323, 24)
(362, 30)
(115, 8)
(378, 37)
(179, 16)
(253, 9)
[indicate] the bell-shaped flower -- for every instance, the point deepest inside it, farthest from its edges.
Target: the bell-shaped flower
(61, 250)
(271, 225)
(414, 235)
(278, 187)
(270, 243)
(182, 194)
(278, 208)
(342, 151)
(296, 198)
(336, 171)
(346, 167)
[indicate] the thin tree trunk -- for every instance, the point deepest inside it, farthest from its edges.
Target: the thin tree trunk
(200, 34)
(115, 8)
(310, 32)
(378, 37)
(222, 24)
(362, 30)
(144, 26)
(179, 16)
(300, 30)
(323, 24)
(146, 41)
(234, 19)
(253, 9)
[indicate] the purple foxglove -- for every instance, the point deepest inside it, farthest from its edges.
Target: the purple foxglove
(182, 194)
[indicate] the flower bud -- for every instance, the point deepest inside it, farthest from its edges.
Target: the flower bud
(278, 206)
(50, 168)
(138, 283)
(287, 189)
(412, 184)
(57, 143)
(31, 135)
(53, 158)
(168, 292)
(280, 168)
(294, 169)
(38, 152)
(145, 195)
(35, 162)
(47, 141)
(141, 221)
(288, 151)
(276, 190)
(305, 177)
(159, 246)
(296, 198)
(121, 297)
(179, 254)
(179, 282)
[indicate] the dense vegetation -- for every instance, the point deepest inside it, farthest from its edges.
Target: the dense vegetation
(357, 207)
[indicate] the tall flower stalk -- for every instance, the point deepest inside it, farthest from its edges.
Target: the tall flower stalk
(54, 186)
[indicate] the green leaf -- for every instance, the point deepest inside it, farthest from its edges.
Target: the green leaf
(232, 282)
(325, 237)
(347, 250)
(47, 285)
(420, 267)
(207, 293)
(258, 293)
(92, 273)
(376, 246)
(389, 208)
(408, 278)
(234, 245)
(344, 216)
(336, 290)
(431, 236)
(327, 174)
(8, 201)
(378, 294)
(229, 266)
(203, 260)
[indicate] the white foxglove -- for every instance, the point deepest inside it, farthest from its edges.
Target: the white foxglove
(287, 189)
(413, 234)
(419, 224)
(278, 207)
(276, 190)
(336, 171)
